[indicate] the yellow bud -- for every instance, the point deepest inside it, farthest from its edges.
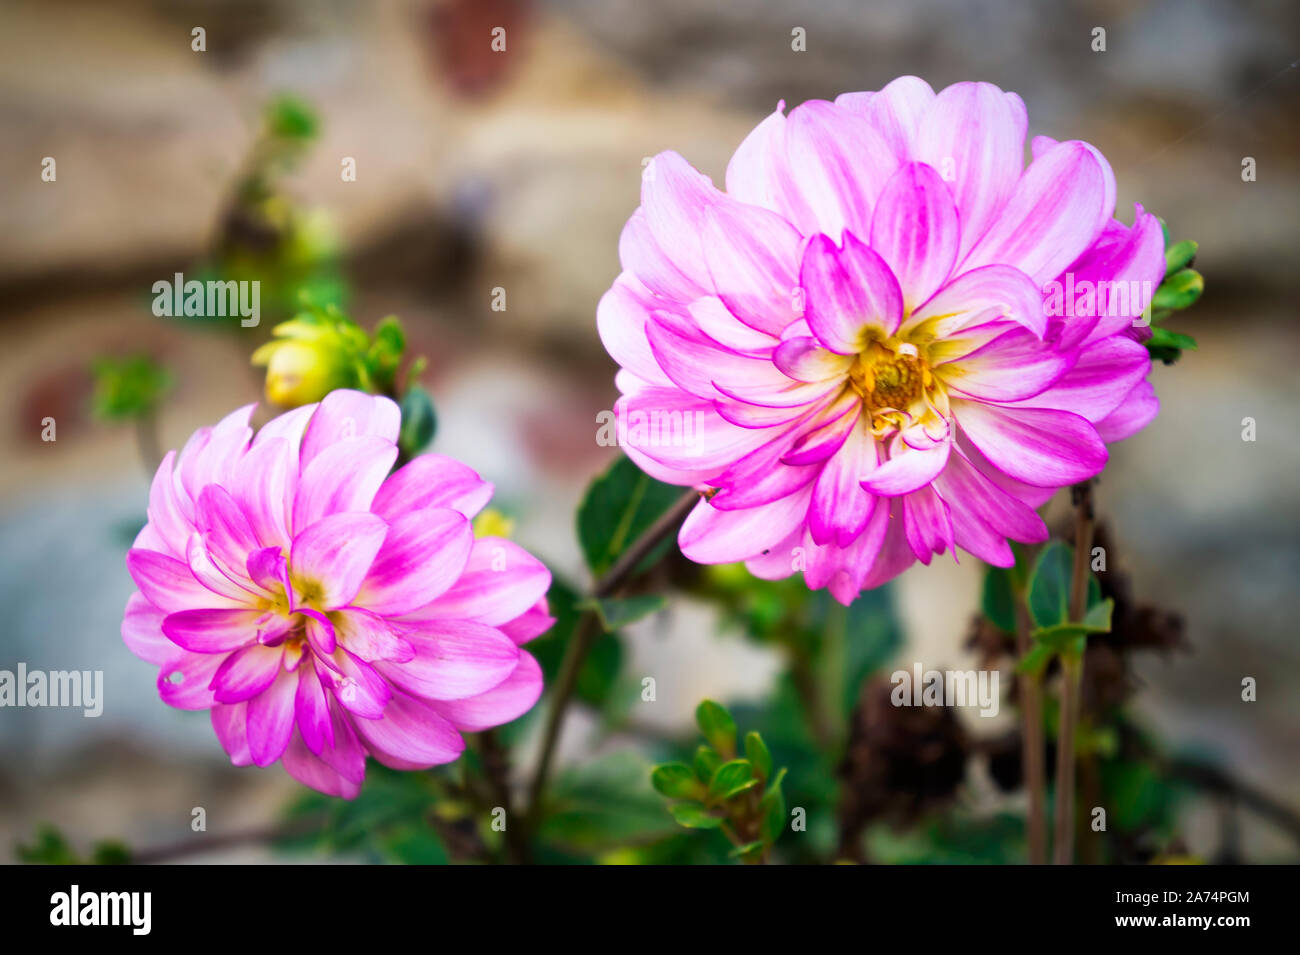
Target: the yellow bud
(299, 372)
(492, 523)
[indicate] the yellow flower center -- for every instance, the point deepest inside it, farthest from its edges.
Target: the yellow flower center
(894, 381)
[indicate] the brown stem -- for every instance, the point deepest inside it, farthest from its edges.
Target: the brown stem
(497, 770)
(1033, 756)
(1072, 678)
(225, 840)
(584, 637)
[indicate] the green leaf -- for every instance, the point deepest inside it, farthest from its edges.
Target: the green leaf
(419, 421)
(694, 816)
(772, 806)
(1179, 290)
(1179, 255)
(1049, 587)
(757, 753)
(1164, 338)
(706, 763)
(1036, 660)
(617, 612)
(605, 804)
(1062, 635)
(415, 844)
(731, 779)
(748, 848)
(676, 781)
(998, 599)
(717, 726)
(619, 507)
(291, 118)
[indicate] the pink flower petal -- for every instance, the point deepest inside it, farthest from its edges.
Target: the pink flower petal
(850, 292)
(335, 555)
(410, 735)
(1014, 365)
(751, 255)
(1056, 211)
(974, 135)
(916, 231)
(500, 582)
(907, 470)
(345, 414)
(1137, 410)
(508, 700)
(246, 673)
(422, 555)
(432, 480)
(345, 476)
(840, 507)
(978, 297)
(270, 719)
(713, 536)
(1038, 446)
(453, 659)
(213, 631)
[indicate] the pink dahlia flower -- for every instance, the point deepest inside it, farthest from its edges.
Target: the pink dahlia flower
(324, 610)
(887, 339)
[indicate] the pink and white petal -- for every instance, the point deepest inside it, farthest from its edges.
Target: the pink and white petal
(192, 691)
(345, 476)
(227, 533)
(356, 685)
(643, 257)
(453, 659)
(927, 524)
(312, 770)
(165, 512)
(345, 414)
(620, 321)
(1015, 365)
(656, 423)
(674, 199)
(759, 173)
(410, 735)
(210, 456)
(501, 581)
(246, 673)
(1105, 372)
(695, 364)
(423, 554)
(266, 480)
(804, 359)
(760, 477)
(169, 584)
(751, 255)
(1130, 267)
(907, 469)
(713, 536)
(230, 723)
(432, 480)
(1138, 409)
(142, 631)
(335, 555)
(850, 293)
(974, 134)
(510, 699)
(530, 624)
(1039, 446)
(271, 719)
(896, 111)
(839, 164)
(311, 711)
(233, 584)
(1057, 210)
(716, 321)
(915, 229)
(289, 426)
(971, 494)
(369, 636)
(840, 508)
(978, 297)
(213, 631)
(829, 432)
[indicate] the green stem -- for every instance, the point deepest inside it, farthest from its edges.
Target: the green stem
(584, 637)
(1033, 756)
